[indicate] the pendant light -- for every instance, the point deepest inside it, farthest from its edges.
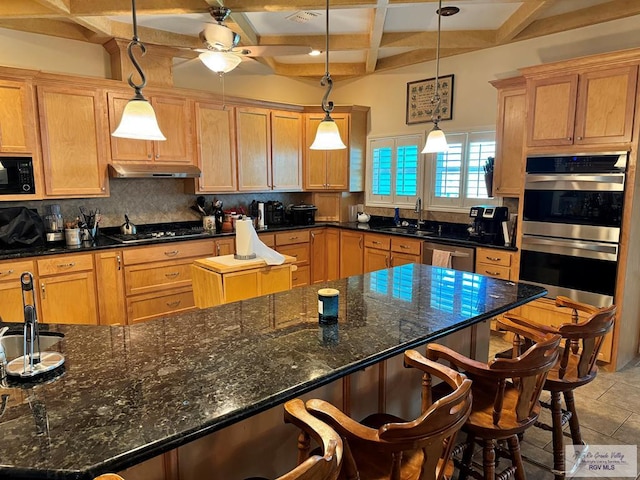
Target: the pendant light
(436, 141)
(138, 118)
(327, 135)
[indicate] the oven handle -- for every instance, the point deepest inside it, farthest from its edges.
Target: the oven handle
(613, 182)
(587, 246)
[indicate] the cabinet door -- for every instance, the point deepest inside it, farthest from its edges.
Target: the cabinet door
(552, 106)
(286, 151)
(16, 117)
(253, 130)
(319, 256)
(11, 306)
(315, 161)
(216, 134)
(508, 174)
(338, 160)
(398, 259)
(375, 259)
(351, 253)
(69, 299)
(333, 254)
(225, 246)
(174, 120)
(110, 287)
(125, 149)
(606, 101)
(73, 141)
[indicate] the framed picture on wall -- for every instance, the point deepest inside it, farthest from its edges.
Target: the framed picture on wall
(420, 99)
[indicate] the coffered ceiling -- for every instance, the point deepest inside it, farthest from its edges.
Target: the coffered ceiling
(366, 35)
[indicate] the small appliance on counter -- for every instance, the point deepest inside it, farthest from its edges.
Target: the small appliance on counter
(303, 214)
(488, 225)
(53, 224)
(274, 213)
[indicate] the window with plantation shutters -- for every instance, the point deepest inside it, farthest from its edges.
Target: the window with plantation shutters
(395, 171)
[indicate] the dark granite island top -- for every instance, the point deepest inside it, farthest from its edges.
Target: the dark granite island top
(130, 393)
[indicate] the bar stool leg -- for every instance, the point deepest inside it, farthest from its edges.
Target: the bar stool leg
(574, 424)
(558, 441)
(516, 457)
(489, 460)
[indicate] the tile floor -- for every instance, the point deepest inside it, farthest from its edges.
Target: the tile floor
(608, 409)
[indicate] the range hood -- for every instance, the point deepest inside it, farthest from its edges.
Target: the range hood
(153, 170)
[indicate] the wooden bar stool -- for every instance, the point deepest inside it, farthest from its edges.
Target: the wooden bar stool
(384, 446)
(575, 367)
(505, 402)
(315, 467)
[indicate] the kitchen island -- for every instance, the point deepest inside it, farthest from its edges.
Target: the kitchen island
(130, 393)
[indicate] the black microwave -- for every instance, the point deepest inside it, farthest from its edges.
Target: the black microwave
(16, 176)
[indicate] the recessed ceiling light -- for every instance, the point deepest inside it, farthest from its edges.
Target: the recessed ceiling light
(315, 53)
(448, 11)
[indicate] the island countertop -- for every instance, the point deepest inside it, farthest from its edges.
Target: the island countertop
(130, 393)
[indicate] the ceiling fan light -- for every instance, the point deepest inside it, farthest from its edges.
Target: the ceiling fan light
(139, 122)
(220, 62)
(327, 136)
(436, 141)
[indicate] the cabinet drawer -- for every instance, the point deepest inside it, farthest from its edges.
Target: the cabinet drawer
(65, 264)
(491, 270)
(299, 252)
(294, 236)
(146, 278)
(301, 276)
(146, 307)
(168, 251)
(382, 242)
(269, 239)
(494, 257)
(10, 271)
(406, 245)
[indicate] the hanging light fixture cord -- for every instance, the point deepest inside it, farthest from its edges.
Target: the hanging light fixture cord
(435, 116)
(135, 42)
(326, 81)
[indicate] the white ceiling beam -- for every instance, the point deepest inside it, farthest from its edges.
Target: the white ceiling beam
(376, 30)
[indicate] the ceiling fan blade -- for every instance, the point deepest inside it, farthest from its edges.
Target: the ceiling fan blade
(272, 50)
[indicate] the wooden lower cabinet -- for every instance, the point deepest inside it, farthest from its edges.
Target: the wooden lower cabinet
(296, 244)
(351, 253)
(385, 251)
(319, 255)
(333, 254)
(496, 263)
(152, 305)
(110, 286)
(224, 246)
(405, 250)
(10, 290)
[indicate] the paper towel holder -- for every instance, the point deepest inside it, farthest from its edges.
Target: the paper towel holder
(251, 256)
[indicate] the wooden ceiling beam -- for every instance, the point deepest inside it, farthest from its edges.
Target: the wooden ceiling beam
(43, 26)
(417, 56)
(100, 8)
(521, 19)
(375, 37)
(336, 42)
(24, 9)
(317, 70)
(458, 39)
(58, 6)
(604, 12)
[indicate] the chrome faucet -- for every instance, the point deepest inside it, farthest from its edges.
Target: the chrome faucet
(418, 210)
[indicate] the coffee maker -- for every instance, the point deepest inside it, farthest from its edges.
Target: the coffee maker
(487, 224)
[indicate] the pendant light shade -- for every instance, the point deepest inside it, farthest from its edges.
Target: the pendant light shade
(436, 141)
(220, 62)
(327, 135)
(139, 122)
(138, 119)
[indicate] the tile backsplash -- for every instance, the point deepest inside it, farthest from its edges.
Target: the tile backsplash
(151, 201)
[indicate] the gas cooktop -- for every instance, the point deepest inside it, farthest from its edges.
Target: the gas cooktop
(158, 231)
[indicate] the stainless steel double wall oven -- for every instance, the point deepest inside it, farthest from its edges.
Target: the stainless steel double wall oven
(572, 215)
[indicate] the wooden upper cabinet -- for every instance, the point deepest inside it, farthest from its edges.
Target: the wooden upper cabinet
(16, 117)
(589, 108)
(510, 131)
(286, 151)
(326, 169)
(174, 119)
(216, 148)
(73, 140)
(253, 132)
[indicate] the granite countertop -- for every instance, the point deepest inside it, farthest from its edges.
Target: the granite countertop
(449, 237)
(129, 393)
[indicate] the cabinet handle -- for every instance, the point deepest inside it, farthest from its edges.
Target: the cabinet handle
(493, 259)
(295, 279)
(172, 274)
(218, 249)
(8, 272)
(157, 155)
(44, 291)
(491, 273)
(387, 262)
(579, 138)
(66, 265)
(391, 261)
(360, 243)
(149, 155)
(569, 138)
(119, 260)
(313, 237)
(295, 255)
(293, 238)
(405, 246)
(173, 304)
(375, 242)
(172, 253)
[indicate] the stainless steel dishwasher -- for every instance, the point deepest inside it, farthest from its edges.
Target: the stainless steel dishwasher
(462, 258)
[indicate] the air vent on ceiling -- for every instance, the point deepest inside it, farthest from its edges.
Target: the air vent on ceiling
(302, 17)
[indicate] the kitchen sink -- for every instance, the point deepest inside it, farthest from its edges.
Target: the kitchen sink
(13, 343)
(408, 231)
